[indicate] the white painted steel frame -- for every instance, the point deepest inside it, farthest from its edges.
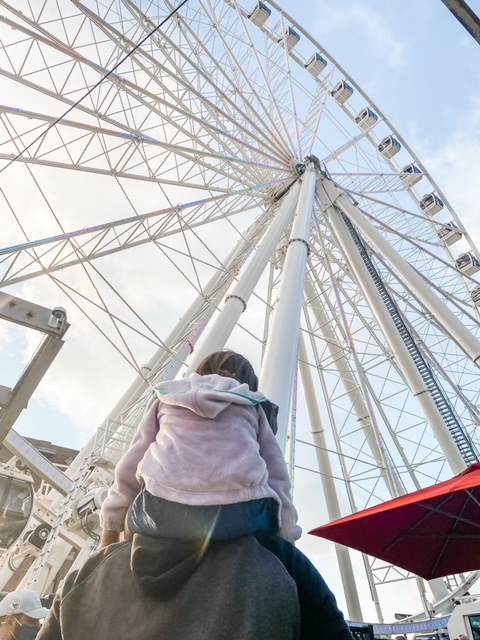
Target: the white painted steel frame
(409, 370)
(237, 301)
(451, 323)
(22, 262)
(167, 361)
(357, 387)
(278, 365)
(225, 145)
(328, 483)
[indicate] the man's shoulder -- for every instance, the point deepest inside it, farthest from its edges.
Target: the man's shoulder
(284, 550)
(114, 554)
(319, 611)
(169, 588)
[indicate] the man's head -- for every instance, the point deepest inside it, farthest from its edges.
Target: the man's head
(20, 615)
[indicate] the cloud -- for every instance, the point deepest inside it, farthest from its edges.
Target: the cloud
(454, 161)
(374, 33)
(4, 334)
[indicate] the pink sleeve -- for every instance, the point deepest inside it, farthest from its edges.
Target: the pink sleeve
(126, 486)
(279, 479)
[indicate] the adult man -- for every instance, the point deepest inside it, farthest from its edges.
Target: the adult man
(257, 587)
(20, 615)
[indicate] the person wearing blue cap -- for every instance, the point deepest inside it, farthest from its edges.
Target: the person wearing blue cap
(20, 614)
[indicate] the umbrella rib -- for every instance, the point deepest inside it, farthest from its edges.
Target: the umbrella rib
(457, 518)
(472, 497)
(454, 524)
(436, 536)
(429, 509)
(417, 532)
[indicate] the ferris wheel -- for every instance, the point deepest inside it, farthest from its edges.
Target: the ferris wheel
(211, 160)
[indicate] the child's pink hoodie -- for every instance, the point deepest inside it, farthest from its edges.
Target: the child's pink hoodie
(205, 440)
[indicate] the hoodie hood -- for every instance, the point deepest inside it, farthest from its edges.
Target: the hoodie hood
(162, 565)
(207, 396)
(168, 548)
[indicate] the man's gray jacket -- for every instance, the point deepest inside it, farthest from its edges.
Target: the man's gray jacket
(252, 588)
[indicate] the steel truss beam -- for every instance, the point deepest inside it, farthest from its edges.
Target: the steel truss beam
(164, 108)
(22, 262)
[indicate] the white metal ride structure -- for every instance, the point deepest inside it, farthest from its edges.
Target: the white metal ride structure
(308, 235)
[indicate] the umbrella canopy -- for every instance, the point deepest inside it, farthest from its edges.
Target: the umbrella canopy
(433, 532)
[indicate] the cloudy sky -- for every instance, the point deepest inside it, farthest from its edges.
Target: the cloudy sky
(422, 69)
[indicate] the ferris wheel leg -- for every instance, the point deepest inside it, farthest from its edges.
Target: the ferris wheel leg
(328, 483)
(276, 377)
(352, 388)
(409, 370)
(469, 343)
(437, 586)
(236, 302)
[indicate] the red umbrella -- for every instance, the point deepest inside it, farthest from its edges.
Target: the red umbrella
(433, 532)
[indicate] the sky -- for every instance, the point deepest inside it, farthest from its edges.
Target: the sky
(423, 70)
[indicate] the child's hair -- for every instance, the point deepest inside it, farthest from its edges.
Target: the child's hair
(231, 365)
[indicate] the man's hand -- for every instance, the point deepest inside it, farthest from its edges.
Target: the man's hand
(109, 537)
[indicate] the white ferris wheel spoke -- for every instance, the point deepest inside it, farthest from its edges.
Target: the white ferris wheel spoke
(21, 262)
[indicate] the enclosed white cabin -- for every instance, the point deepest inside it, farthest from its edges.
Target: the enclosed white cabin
(431, 204)
(449, 233)
(290, 37)
(341, 92)
(411, 174)
(16, 505)
(389, 146)
(260, 14)
(366, 118)
(316, 65)
(476, 296)
(467, 263)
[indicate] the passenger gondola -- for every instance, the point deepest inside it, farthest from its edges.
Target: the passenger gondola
(449, 233)
(410, 175)
(341, 92)
(260, 14)
(316, 65)
(290, 37)
(366, 118)
(476, 296)
(431, 204)
(467, 263)
(389, 146)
